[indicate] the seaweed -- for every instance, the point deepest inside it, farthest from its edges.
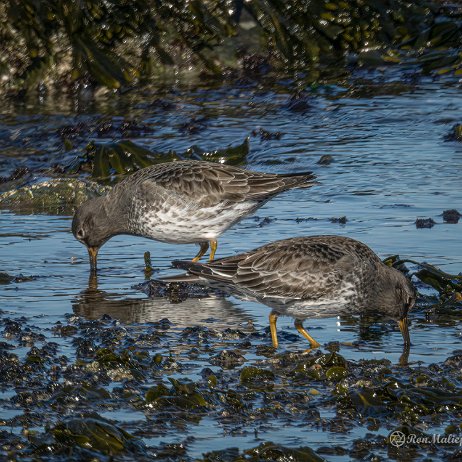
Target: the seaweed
(446, 284)
(116, 45)
(261, 392)
(104, 160)
(94, 432)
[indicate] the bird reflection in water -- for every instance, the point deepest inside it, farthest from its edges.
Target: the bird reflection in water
(372, 335)
(209, 310)
(313, 277)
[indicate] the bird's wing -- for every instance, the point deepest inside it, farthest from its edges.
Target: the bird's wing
(209, 183)
(295, 268)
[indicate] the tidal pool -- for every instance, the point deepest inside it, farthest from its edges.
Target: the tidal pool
(391, 165)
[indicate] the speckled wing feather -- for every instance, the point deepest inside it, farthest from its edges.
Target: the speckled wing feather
(210, 183)
(291, 268)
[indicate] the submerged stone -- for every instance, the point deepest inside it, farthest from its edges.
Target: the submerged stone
(266, 135)
(176, 292)
(325, 159)
(340, 220)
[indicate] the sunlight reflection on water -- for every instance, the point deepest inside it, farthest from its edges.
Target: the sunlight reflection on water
(390, 166)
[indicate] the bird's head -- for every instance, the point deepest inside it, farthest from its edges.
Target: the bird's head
(397, 296)
(92, 227)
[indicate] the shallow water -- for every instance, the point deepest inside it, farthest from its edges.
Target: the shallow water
(390, 166)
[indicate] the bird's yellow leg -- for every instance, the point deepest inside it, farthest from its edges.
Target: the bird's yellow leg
(213, 249)
(274, 335)
(202, 251)
(301, 329)
(404, 328)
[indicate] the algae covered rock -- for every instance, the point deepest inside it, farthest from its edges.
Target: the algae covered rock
(53, 196)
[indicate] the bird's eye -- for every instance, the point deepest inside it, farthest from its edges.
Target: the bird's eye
(80, 233)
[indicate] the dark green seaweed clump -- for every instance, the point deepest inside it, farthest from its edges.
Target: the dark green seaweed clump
(264, 452)
(101, 370)
(447, 285)
(117, 44)
(95, 433)
(107, 163)
(122, 157)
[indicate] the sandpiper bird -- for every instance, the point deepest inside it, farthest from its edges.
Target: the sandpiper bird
(179, 202)
(318, 276)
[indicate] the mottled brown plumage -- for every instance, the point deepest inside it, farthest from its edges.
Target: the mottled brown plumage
(312, 277)
(180, 202)
(210, 184)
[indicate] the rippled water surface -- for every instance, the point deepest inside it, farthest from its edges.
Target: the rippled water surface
(391, 165)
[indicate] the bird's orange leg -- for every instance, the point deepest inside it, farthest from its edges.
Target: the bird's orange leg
(299, 326)
(213, 249)
(202, 251)
(274, 335)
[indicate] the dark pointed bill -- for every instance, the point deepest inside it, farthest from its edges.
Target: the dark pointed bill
(403, 327)
(93, 254)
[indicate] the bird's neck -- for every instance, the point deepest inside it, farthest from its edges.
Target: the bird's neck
(384, 290)
(116, 212)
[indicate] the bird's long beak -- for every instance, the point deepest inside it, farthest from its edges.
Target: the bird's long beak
(403, 327)
(93, 254)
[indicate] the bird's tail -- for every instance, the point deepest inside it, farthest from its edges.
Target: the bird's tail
(193, 268)
(199, 270)
(185, 277)
(299, 180)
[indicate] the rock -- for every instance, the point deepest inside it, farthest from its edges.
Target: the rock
(340, 220)
(326, 159)
(56, 195)
(451, 216)
(424, 223)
